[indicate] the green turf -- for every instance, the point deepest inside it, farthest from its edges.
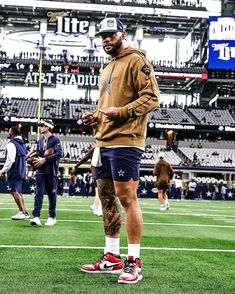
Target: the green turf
(188, 224)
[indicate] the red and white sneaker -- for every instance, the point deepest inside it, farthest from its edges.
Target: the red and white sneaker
(108, 264)
(131, 273)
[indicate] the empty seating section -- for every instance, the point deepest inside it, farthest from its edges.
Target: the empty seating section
(212, 116)
(3, 144)
(22, 107)
(76, 109)
(51, 108)
(211, 157)
(75, 150)
(73, 109)
(170, 115)
(150, 155)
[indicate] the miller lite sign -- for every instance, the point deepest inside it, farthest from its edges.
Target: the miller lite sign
(221, 42)
(68, 25)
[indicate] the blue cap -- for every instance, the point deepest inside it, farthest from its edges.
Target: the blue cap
(110, 25)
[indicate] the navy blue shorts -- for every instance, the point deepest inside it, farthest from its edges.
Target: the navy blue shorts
(120, 164)
(163, 187)
(15, 185)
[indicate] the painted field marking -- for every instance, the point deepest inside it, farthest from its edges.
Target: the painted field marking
(145, 223)
(101, 248)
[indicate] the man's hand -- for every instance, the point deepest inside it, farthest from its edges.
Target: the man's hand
(89, 119)
(1, 172)
(111, 113)
(39, 161)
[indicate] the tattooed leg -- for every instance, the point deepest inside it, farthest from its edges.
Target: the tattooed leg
(112, 211)
(126, 192)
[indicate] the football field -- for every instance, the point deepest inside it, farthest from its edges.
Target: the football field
(188, 249)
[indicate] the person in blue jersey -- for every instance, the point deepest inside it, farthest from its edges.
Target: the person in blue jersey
(15, 169)
(48, 152)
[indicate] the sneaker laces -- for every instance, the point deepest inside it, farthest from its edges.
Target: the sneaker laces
(129, 266)
(102, 258)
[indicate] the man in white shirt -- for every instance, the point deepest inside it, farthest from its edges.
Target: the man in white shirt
(178, 187)
(15, 169)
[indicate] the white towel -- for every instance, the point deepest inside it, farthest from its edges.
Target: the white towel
(96, 158)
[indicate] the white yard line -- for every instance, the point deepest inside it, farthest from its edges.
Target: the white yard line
(101, 248)
(145, 223)
(143, 212)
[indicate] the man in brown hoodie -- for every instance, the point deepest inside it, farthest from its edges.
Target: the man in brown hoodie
(164, 173)
(128, 91)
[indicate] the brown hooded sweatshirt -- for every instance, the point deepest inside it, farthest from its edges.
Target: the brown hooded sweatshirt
(163, 171)
(128, 83)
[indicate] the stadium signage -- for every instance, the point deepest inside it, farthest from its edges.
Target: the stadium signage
(61, 78)
(174, 126)
(23, 119)
(201, 76)
(71, 25)
(68, 25)
(229, 129)
(221, 43)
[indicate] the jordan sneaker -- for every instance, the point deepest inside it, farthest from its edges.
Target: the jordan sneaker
(131, 273)
(108, 263)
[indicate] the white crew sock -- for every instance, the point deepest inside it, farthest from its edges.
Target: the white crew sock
(112, 245)
(134, 250)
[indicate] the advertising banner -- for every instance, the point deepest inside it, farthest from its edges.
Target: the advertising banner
(221, 43)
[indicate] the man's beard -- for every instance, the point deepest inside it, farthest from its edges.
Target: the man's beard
(115, 47)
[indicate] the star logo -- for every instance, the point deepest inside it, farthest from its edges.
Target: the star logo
(208, 194)
(230, 194)
(106, 85)
(146, 70)
(20, 65)
(78, 189)
(32, 188)
(121, 173)
(144, 191)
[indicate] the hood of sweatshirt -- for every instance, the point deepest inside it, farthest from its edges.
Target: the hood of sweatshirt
(129, 50)
(19, 140)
